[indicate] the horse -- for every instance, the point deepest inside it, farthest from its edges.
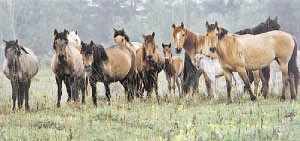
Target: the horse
(74, 39)
(121, 37)
(113, 64)
(20, 66)
(68, 67)
(213, 69)
(149, 63)
(263, 27)
(252, 52)
(173, 68)
(189, 41)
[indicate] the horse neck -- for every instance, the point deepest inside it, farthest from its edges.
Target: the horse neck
(193, 41)
(169, 67)
(228, 44)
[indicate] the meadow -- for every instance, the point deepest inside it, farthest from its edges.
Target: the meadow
(195, 118)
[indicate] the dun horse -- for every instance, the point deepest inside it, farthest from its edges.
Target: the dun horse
(20, 66)
(253, 52)
(113, 64)
(264, 74)
(68, 67)
(173, 69)
(191, 42)
(149, 63)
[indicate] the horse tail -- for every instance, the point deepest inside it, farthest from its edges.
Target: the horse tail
(293, 68)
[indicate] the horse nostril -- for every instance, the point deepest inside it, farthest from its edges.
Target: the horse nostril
(61, 57)
(178, 50)
(149, 57)
(212, 49)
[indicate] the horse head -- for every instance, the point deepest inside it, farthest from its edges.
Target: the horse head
(149, 47)
(60, 45)
(120, 36)
(214, 34)
(179, 35)
(167, 52)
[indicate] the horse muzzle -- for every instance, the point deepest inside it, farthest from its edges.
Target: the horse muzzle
(213, 49)
(178, 50)
(62, 58)
(149, 58)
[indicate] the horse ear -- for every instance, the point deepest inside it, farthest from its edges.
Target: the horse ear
(216, 24)
(123, 29)
(276, 19)
(153, 34)
(55, 32)
(144, 37)
(66, 32)
(115, 30)
(163, 45)
(17, 42)
(182, 25)
(170, 45)
(24, 50)
(76, 32)
(91, 43)
(5, 41)
(207, 24)
(82, 44)
(173, 26)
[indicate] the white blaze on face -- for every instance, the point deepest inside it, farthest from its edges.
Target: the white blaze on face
(178, 38)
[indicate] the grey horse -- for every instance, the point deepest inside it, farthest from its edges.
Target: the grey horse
(20, 66)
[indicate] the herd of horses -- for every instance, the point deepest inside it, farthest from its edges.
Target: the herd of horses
(254, 54)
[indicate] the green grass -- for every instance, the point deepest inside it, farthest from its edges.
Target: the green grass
(177, 119)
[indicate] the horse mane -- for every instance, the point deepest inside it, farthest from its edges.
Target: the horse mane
(222, 32)
(263, 27)
(121, 33)
(99, 55)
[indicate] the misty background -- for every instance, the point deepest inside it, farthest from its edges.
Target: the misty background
(32, 22)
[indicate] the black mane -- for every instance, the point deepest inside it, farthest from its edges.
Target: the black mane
(121, 33)
(263, 27)
(100, 54)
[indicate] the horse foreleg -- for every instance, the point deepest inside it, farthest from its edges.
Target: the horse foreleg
(174, 83)
(67, 84)
(59, 91)
(208, 85)
(256, 81)
(83, 89)
(242, 72)
(20, 94)
(94, 90)
(169, 84)
(107, 92)
(156, 87)
(265, 81)
(228, 77)
(178, 86)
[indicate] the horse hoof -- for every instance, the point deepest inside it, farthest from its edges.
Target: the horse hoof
(253, 98)
(83, 102)
(58, 105)
(282, 98)
(229, 102)
(69, 100)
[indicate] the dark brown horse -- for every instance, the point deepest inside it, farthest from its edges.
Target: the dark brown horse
(68, 67)
(149, 63)
(113, 64)
(264, 74)
(20, 66)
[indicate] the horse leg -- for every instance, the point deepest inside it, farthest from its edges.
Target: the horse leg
(169, 84)
(59, 92)
(242, 72)
(240, 84)
(27, 86)
(228, 77)
(156, 87)
(107, 92)
(256, 81)
(94, 90)
(174, 83)
(83, 89)
(285, 77)
(20, 94)
(208, 85)
(67, 84)
(196, 83)
(265, 83)
(178, 86)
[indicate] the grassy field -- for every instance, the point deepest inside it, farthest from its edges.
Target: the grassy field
(194, 119)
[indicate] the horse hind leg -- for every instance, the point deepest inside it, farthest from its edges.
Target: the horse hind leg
(228, 77)
(83, 89)
(242, 72)
(27, 86)
(285, 77)
(107, 92)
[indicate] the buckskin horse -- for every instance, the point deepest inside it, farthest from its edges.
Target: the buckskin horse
(252, 52)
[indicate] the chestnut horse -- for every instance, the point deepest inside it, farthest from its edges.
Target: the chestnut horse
(68, 67)
(20, 66)
(173, 69)
(253, 52)
(113, 64)
(192, 43)
(149, 63)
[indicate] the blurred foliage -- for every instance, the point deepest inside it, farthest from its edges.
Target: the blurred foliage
(33, 22)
